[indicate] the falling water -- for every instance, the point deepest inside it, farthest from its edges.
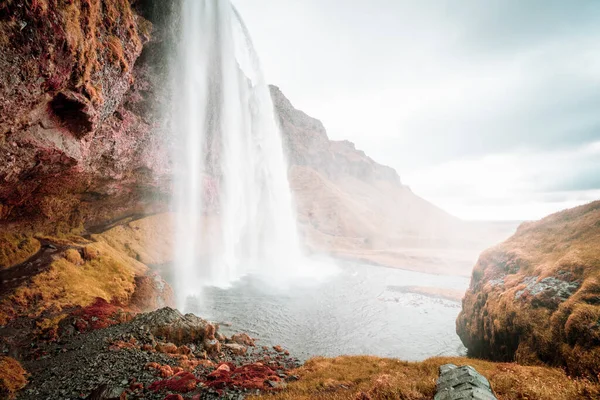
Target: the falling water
(232, 197)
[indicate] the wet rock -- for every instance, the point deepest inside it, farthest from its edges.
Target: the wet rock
(278, 349)
(212, 346)
(236, 349)
(243, 339)
(462, 383)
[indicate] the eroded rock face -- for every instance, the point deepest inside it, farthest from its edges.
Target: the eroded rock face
(307, 144)
(536, 297)
(77, 143)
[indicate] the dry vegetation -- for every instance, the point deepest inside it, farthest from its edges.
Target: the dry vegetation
(15, 249)
(84, 19)
(148, 240)
(364, 377)
(94, 30)
(12, 377)
(502, 319)
(72, 281)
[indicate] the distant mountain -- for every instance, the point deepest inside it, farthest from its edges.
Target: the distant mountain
(351, 206)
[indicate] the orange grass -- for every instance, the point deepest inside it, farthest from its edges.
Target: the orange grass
(366, 377)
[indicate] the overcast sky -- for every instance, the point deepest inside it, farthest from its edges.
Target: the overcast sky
(488, 108)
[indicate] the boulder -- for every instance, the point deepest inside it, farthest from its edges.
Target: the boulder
(462, 383)
(236, 349)
(243, 339)
(536, 297)
(211, 346)
(173, 326)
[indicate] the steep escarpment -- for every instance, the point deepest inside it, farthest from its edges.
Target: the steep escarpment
(79, 143)
(351, 206)
(536, 297)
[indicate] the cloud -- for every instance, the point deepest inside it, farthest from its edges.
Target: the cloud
(506, 88)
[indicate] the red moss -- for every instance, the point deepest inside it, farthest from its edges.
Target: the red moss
(251, 376)
(174, 397)
(101, 314)
(182, 382)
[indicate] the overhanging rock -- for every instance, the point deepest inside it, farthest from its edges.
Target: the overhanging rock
(462, 383)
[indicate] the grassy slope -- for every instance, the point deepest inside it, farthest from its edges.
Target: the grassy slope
(496, 323)
(15, 249)
(365, 377)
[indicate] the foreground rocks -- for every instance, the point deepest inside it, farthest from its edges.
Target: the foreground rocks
(536, 297)
(151, 356)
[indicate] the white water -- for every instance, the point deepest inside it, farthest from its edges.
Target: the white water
(224, 119)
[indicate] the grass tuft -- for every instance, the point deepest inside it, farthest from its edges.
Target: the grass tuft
(366, 377)
(16, 248)
(12, 377)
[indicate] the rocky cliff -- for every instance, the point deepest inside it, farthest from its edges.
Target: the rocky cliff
(84, 140)
(79, 132)
(536, 297)
(351, 206)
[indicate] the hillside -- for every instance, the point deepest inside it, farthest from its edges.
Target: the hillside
(536, 296)
(350, 206)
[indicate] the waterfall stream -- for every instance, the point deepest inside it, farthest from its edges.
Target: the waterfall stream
(231, 193)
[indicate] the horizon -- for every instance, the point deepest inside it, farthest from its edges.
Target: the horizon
(506, 92)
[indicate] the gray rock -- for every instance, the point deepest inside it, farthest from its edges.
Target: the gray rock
(462, 383)
(554, 288)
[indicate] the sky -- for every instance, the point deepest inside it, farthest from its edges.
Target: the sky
(489, 109)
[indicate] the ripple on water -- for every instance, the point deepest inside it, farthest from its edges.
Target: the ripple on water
(354, 312)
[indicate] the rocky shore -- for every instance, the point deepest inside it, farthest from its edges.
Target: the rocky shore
(157, 355)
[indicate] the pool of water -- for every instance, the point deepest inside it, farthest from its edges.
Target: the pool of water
(356, 311)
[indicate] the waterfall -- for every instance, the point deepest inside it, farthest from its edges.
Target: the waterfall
(233, 204)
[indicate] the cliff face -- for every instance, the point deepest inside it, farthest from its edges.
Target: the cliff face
(536, 297)
(78, 139)
(85, 140)
(308, 145)
(353, 207)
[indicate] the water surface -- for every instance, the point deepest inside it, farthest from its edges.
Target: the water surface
(354, 312)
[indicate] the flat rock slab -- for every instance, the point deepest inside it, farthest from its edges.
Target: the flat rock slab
(462, 383)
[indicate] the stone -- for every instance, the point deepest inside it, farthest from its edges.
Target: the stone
(462, 383)
(166, 348)
(243, 339)
(223, 368)
(212, 346)
(173, 326)
(236, 349)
